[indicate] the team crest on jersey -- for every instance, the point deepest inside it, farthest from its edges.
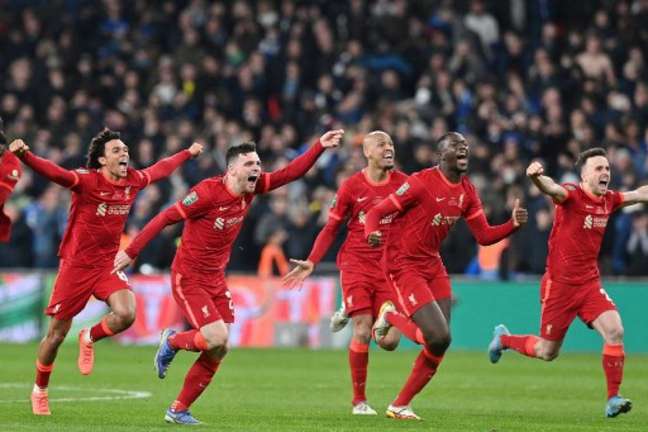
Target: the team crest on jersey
(14, 175)
(401, 190)
(190, 199)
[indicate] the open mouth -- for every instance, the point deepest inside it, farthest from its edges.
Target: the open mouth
(123, 164)
(603, 183)
(389, 156)
(252, 179)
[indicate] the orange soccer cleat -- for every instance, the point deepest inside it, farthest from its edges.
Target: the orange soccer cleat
(40, 402)
(86, 353)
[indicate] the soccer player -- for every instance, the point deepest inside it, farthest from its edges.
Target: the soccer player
(102, 195)
(213, 212)
(571, 285)
(363, 283)
(429, 203)
(10, 172)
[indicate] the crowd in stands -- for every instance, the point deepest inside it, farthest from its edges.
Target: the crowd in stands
(522, 79)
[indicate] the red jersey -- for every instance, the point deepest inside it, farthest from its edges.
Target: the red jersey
(430, 205)
(356, 196)
(10, 172)
(213, 218)
(100, 206)
(577, 233)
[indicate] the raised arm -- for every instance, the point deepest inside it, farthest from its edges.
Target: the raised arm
(487, 234)
(300, 165)
(47, 169)
(535, 171)
(166, 166)
(639, 195)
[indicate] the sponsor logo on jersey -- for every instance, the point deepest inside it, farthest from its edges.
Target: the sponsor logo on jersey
(437, 219)
(362, 218)
(101, 209)
(401, 190)
(594, 222)
(219, 223)
(82, 171)
(222, 223)
(104, 209)
(190, 199)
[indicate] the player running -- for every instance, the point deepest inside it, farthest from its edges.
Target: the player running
(102, 195)
(10, 172)
(429, 203)
(213, 212)
(571, 285)
(363, 283)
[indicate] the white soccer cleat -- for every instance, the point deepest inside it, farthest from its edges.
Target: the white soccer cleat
(339, 320)
(401, 413)
(363, 408)
(382, 326)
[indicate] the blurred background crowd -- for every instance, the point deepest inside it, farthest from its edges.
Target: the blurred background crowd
(522, 79)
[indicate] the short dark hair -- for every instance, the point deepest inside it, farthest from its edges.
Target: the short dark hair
(234, 151)
(448, 137)
(591, 152)
(98, 146)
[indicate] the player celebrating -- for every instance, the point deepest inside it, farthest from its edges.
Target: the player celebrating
(213, 213)
(101, 199)
(571, 285)
(430, 202)
(10, 172)
(363, 284)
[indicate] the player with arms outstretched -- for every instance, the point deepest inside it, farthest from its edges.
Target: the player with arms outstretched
(102, 195)
(571, 285)
(429, 203)
(363, 283)
(213, 213)
(10, 172)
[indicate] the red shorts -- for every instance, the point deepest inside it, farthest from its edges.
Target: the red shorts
(415, 288)
(203, 300)
(561, 303)
(75, 285)
(364, 293)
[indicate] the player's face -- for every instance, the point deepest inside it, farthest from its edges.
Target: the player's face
(456, 153)
(246, 169)
(379, 150)
(596, 174)
(116, 158)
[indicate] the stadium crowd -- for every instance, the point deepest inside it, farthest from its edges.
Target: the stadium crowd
(521, 79)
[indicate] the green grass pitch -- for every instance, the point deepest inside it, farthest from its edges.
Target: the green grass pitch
(302, 390)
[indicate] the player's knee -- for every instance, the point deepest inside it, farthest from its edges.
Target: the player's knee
(56, 338)
(548, 354)
(389, 344)
(438, 343)
(362, 333)
(125, 315)
(216, 339)
(614, 335)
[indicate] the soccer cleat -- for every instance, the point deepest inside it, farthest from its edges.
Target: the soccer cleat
(165, 354)
(86, 353)
(339, 320)
(382, 326)
(495, 347)
(40, 402)
(401, 413)
(617, 405)
(180, 417)
(363, 408)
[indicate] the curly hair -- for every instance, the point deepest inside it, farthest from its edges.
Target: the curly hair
(98, 147)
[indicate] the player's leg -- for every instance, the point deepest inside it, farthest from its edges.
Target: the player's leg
(115, 291)
(600, 313)
(47, 351)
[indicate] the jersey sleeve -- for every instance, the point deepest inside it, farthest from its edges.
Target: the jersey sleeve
(342, 203)
(197, 202)
(617, 200)
(571, 192)
(474, 208)
(340, 208)
(66, 178)
(297, 168)
(408, 194)
(9, 176)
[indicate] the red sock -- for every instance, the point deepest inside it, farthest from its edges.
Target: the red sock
(522, 344)
(191, 340)
(358, 361)
(425, 367)
(406, 326)
(613, 359)
(100, 330)
(43, 373)
(196, 381)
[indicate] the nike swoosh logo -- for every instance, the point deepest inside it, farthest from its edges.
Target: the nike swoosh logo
(104, 193)
(440, 199)
(362, 199)
(222, 208)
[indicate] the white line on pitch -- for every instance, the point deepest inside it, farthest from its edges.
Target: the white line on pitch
(116, 394)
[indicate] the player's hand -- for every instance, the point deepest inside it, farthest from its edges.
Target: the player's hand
(18, 147)
(535, 169)
(296, 276)
(122, 260)
(332, 138)
(520, 215)
(374, 239)
(196, 149)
